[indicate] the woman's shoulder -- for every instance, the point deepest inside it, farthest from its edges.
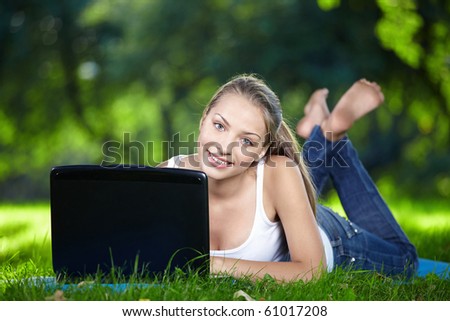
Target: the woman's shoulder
(276, 164)
(280, 172)
(282, 183)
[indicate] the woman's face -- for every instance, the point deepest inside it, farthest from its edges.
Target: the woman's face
(231, 137)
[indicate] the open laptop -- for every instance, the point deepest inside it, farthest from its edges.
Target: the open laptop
(128, 218)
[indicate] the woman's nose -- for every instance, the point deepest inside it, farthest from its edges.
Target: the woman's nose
(224, 145)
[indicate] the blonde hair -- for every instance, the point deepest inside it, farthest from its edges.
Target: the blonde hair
(280, 139)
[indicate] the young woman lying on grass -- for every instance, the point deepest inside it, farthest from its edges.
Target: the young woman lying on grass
(264, 218)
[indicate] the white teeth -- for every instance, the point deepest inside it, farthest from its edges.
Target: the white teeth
(218, 161)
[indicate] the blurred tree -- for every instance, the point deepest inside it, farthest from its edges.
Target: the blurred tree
(42, 102)
(77, 74)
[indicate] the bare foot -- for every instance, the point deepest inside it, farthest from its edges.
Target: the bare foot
(316, 111)
(362, 97)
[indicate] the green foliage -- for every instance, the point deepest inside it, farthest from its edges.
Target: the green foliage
(76, 75)
(328, 4)
(398, 27)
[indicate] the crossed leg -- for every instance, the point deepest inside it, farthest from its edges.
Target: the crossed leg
(361, 98)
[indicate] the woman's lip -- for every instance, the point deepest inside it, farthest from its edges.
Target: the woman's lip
(220, 158)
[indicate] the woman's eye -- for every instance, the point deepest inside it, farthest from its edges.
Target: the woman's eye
(219, 126)
(247, 142)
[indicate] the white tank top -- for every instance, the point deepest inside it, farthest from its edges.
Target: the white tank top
(266, 241)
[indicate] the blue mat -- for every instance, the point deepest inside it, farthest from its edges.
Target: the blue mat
(52, 284)
(426, 266)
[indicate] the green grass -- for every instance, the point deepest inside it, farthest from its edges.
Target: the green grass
(25, 234)
(25, 257)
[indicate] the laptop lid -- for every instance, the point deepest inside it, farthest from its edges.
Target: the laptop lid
(130, 218)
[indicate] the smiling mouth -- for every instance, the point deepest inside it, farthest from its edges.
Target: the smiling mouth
(214, 160)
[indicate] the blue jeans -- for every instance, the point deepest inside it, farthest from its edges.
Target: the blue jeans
(371, 238)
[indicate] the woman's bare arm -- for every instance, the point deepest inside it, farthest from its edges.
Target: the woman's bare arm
(288, 195)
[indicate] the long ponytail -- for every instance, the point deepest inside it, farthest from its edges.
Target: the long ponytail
(285, 144)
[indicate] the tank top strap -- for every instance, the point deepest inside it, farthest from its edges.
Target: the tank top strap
(171, 162)
(174, 162)
(260, 185)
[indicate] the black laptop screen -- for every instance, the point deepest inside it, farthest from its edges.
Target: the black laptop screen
(127, 218)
